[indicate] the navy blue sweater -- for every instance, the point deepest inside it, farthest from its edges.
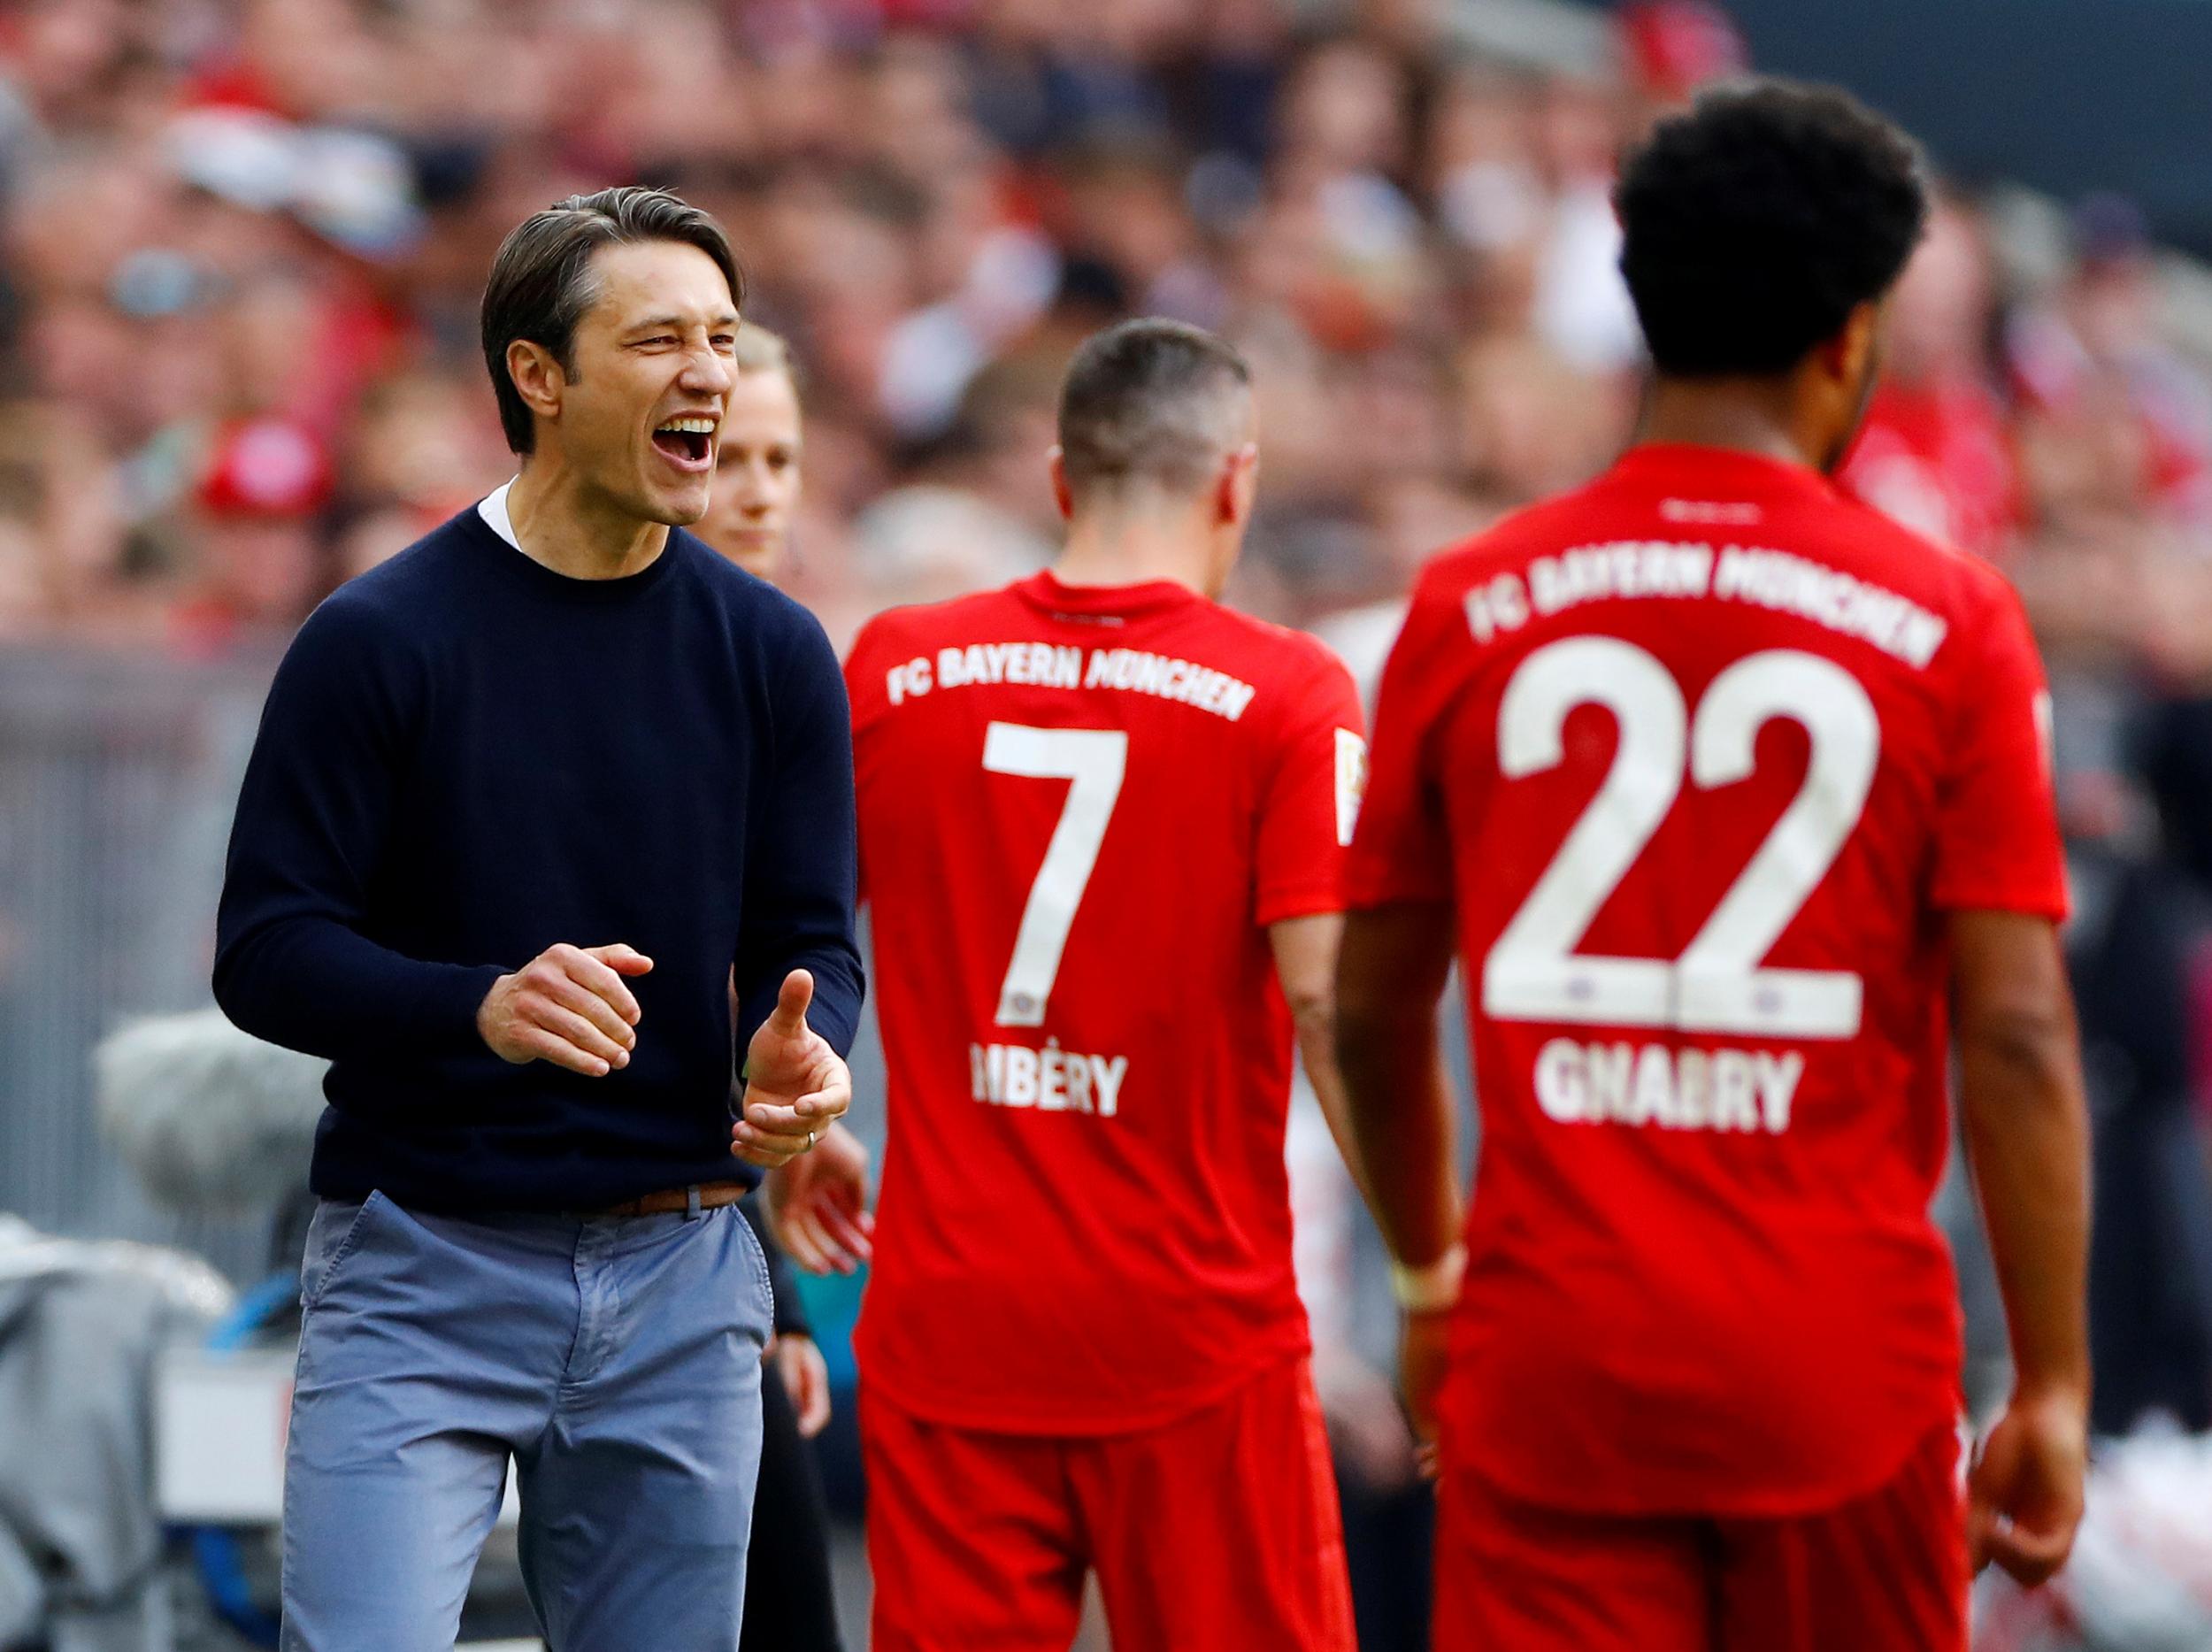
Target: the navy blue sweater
(467, 757)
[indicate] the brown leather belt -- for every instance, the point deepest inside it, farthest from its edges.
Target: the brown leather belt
(711, 1196)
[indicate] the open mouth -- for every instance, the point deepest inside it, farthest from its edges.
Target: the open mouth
(688, 442)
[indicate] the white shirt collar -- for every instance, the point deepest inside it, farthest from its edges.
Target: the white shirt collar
(492, 509)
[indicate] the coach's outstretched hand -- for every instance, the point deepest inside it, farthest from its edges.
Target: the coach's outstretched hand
(795, 1082)
(2026, 1492)
(818, 1203)
(568, 1005)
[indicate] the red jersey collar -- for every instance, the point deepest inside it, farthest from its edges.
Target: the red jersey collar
(1049, 593)
(1676, 465)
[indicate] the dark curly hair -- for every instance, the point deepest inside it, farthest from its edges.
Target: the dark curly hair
(1756, 221)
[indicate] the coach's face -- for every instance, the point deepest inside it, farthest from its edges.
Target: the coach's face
(638, 416)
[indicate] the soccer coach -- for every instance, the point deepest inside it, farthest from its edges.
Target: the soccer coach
(528, 802)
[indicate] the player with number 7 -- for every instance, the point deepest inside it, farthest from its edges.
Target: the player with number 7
(1101, 830)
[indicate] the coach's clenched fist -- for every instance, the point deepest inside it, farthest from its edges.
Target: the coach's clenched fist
(570, 1006)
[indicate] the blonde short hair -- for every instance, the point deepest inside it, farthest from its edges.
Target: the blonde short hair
(759, 351)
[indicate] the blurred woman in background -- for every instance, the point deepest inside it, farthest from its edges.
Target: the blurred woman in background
(756, 478)
(789, 1604)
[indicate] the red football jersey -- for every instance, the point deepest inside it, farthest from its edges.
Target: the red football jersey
(1080, 810)
(1702, 754)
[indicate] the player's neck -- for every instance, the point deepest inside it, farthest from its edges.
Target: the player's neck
(572, 528)
(1737, 415)
(1132, 549)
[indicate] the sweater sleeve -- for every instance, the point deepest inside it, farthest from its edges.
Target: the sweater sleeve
(293, 963)
(803, 868)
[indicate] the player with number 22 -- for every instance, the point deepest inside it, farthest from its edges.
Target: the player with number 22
(1732, 798)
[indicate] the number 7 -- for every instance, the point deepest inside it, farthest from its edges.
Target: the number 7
(1093, 760)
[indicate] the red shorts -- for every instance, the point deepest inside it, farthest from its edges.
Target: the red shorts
(1884, 1574)
(1215, 1533)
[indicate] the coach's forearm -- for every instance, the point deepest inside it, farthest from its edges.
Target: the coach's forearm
(1398, 1104)
(2027, 1134)
(296, 961)
(803, 870)
(312, 984)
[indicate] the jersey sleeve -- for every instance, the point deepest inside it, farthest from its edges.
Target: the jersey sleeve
(1311, 798)
(1997, 839)
(1402, 851)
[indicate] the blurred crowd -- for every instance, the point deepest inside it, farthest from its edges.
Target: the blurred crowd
(242, 243)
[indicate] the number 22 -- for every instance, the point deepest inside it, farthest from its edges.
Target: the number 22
(1717, 985)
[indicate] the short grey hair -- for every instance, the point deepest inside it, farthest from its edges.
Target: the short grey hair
(1151, 402)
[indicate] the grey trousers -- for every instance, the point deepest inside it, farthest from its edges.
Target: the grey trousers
(616, 1360)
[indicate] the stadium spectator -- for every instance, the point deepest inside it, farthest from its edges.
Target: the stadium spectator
(292, 203)
(1934, 452)
(254, 555)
